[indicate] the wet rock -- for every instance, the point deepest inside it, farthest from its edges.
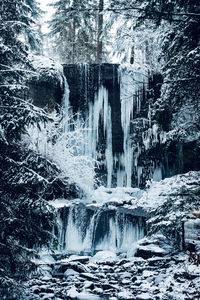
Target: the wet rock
(89, 276)
(70, 272)
(144, 296)
(149, 251)
(81, 259)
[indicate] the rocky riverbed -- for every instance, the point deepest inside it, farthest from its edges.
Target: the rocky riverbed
(154, 268)
(108, 276)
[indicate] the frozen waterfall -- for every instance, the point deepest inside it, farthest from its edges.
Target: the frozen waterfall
(84, 228)
(94, 118)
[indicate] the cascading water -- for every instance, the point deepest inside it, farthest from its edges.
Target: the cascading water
(95, 119)
(85, 229)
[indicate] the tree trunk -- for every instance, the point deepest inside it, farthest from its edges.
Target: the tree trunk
(73, 40)
(100, 32)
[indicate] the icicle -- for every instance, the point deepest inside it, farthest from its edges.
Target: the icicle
(109, 153)
(66, 107)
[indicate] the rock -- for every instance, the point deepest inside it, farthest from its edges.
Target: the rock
(89, 276)
(81, 259)
(149, 251)
(89, 285)
(106, 286)
(159, 261)
(125, 295)
(134, 278)
(104, 257)
(98, 291)
(46, 289)
(70, 272)
(144, 296)
(59, 270)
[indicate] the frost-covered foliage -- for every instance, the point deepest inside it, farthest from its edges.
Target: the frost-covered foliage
(72, 31)
(170, 202)
(27, 179)
(64, 149)
(167, 32)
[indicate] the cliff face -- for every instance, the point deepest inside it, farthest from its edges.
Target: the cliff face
(150, 137)
(46, 84)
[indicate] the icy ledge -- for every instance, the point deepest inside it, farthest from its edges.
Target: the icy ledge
(132, 198)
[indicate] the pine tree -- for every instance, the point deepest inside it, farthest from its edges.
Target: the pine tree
(171, 31)
(100, 32)
(25, 217)
(72, 29)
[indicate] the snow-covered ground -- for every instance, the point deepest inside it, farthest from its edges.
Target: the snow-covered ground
(148, 199)
(153, 270)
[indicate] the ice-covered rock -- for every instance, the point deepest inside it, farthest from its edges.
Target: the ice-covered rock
(104, 256)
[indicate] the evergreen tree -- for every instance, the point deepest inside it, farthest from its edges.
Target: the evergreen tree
(171, 34)
(25, 217)
(72, 29)
(100, 32)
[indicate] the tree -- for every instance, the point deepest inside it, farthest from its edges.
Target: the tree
(25, 217)
(72, 30)
(100, 32)
(170, 32)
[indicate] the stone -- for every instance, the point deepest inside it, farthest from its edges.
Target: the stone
(144, 296)
(81, 259)
(70, 272)
(89, 276)
(149, 251)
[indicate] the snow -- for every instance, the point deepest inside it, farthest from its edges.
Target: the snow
(152, 248)
(104, 256)
(58, 203)
(144, 296)
(103, 194)
(81, 296)
(159, 191)
(125, 295)
(48, 11)
(70, 272)
(147, 273)
(45, 258)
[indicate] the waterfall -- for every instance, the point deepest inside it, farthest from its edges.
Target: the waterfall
(93, 115)
(83, 229)
(99, 113)
(95, 111)
(131, 96)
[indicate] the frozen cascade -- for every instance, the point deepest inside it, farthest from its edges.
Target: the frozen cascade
(132, 86)
(81, 229)
(66, 107)
(94, 120)
(86, 228)
(99, 112)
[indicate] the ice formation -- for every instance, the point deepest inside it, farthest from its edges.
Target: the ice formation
(85, 229)
(96, 124)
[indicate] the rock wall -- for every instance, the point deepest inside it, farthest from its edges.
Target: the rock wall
(151, 139)
(45, 84)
